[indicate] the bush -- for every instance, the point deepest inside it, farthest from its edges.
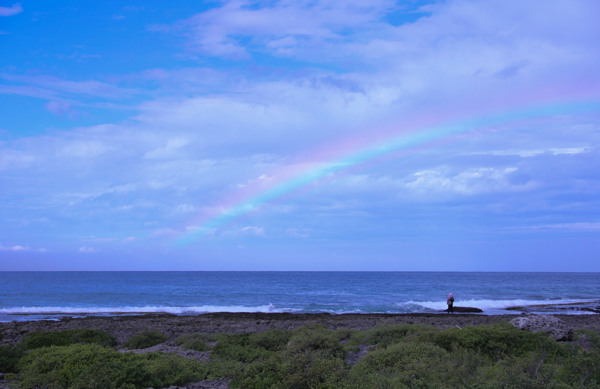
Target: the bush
(494, 341)
(92, 366)
(238, 347)
(145, 339)
(9, 357)
(384, 335)
(407, 362)
(271, 340)
(497, 356)
(39, 339)
(198, 342)
(315, 339)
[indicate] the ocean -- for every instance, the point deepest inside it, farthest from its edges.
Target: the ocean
(51, 295)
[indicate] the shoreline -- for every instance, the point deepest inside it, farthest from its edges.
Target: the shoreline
(123, 327)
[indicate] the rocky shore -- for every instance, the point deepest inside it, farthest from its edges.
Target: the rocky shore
(123, 327)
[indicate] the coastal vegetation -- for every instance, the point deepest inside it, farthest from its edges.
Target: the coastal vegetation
(145, 339)
(389, 356)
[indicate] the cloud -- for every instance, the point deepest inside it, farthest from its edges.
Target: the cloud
(15, 159)
(565, 227)
(283, 27)
(472, 181)
(172, 147)
(164, 232)
(536, 152)
(253, 230)
(21, 248)
(14, 248)
(12, 10)
(88, 250)
(325, 78)
(60, 108)
(67, 87)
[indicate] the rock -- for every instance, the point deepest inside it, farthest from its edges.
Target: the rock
(551, 325)
(465, 310)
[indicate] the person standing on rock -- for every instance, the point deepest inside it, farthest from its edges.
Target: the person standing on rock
(450, 303)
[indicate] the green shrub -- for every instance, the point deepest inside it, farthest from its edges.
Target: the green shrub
(271, 340)
(92, 366)
(309, 357)
(410, 358)
(493, 341)
(9, 357)
(220, 368)
(238, 347)
(384, 335)
(309, 369)
(145, 339)
(198, 342)
(405, 356)
(39, 339)
(581, 367)
(315, 339)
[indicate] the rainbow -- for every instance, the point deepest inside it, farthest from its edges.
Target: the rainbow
(411, 135)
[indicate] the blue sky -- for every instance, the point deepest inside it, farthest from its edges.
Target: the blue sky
(300, 135)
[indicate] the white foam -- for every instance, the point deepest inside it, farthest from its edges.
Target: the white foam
(130, 309)
(486, 304)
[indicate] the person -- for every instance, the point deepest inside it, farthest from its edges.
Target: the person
(450, 303)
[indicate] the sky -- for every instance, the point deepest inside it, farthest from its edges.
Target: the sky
(449, 135)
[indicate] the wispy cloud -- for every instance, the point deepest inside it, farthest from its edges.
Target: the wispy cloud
(12, 10)
(536, 152)
(566, 227)
(87, 250)
(60, 86)
(21, 248)
(14, 248)
(280, 27)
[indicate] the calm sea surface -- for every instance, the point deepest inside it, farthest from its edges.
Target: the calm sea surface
(42, 295)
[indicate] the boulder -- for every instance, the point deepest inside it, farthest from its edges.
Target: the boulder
(465, 310)
(551, 325)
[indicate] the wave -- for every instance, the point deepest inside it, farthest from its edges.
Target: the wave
(488, 304)
(133, 310)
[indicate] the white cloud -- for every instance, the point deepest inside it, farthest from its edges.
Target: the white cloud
(12, 10)
(472, 181)
(253, 230)
(15, 159)
(21, 248)
(59, 86)
(283, 26)
(171, 149)
(60, 108)
(14, 248)
(536, 152)
(297, 232)
(84, 249)
(566, 227)
(164, 232)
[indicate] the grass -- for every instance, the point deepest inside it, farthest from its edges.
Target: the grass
(401, 356)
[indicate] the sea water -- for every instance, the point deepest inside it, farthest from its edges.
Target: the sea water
(43, 295)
